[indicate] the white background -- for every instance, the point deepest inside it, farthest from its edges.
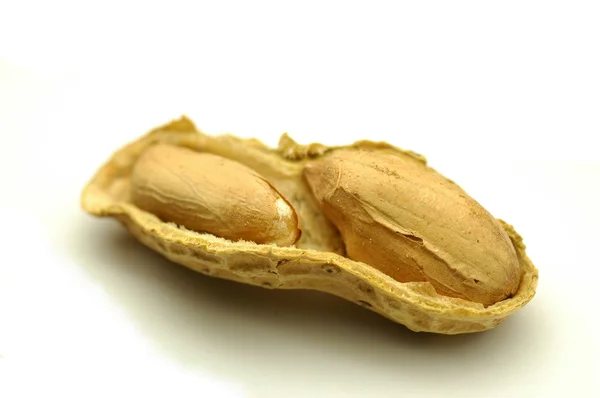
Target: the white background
(502, 97)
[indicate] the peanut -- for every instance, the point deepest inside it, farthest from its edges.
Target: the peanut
(209, 193)
(380, 228)
(398, 215)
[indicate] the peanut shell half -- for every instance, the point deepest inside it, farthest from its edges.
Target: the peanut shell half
(317, 260)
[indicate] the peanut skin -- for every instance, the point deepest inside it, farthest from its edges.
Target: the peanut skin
(398, 215)
(208, 193)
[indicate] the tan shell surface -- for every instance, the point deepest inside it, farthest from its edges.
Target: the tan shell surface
(316, 262)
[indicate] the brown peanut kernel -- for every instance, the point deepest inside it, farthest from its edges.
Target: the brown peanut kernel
(401, 217)
(208, 193)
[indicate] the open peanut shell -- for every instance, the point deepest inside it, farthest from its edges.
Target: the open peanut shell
(315, 262)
